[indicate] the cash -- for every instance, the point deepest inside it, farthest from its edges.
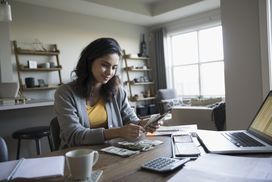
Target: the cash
(136, 146)
(119, 151)
(143, 145)
(152, 142)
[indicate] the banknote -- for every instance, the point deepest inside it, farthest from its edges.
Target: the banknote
(142, 145)
(119, 151)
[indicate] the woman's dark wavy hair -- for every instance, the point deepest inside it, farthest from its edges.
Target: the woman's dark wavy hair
(84, 76)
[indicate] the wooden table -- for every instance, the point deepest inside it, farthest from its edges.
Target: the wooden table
(117, 168)
(128, 169)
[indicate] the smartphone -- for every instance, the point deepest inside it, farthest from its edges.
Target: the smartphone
(156, 118)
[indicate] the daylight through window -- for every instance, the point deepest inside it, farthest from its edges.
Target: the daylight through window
(198, 63)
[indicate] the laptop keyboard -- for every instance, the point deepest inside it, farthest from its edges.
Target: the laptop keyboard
(241, 139)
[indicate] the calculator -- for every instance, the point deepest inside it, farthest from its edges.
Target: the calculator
(163, 164)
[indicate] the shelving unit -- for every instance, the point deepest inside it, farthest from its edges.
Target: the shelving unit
(22, 67)
(139, 80)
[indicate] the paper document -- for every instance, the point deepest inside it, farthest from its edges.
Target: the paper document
(176, 130)
(213, 167)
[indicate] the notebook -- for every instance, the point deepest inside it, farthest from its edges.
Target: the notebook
(32, 169)
(256, 139)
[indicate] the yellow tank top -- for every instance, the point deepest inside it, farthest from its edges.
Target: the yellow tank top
(97, 114)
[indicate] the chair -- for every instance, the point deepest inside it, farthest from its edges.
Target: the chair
(166, 99)
(54, 134)
(3, 150)
(33, 133)
(219, 116)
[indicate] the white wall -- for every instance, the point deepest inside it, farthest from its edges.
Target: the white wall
(264, 46)
(71, 32)
(243, 76)
(269, 37)
(5, 53)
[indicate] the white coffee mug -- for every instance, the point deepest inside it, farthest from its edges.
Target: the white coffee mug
(80, 163)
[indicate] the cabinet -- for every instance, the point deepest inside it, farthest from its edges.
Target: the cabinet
(140, 83)
(46, 60)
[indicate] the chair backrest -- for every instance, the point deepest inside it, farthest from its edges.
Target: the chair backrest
(3, 150)
(55, 134)
(219, 116)
(165, 94)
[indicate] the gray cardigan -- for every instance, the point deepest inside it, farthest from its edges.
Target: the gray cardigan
(75, 129)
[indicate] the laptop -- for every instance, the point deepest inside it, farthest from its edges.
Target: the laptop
(256, 139)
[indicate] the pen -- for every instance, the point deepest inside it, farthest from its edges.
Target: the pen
(15, 169)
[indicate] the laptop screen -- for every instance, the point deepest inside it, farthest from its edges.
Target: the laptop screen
(262, 124)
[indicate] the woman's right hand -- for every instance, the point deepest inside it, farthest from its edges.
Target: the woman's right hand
(131, 131)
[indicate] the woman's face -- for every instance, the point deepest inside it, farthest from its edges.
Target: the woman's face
(104, 68)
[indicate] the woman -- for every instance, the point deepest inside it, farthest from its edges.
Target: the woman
(94, 107)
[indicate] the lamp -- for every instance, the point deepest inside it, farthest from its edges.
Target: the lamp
(5, 11)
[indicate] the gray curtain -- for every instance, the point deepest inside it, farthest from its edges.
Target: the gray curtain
(158, 57)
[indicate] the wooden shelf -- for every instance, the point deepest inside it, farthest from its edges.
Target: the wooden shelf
(142, 99)
(141, 83)
(40, 69)
(36, 52)
(134, 57)
(53, 53)
(50, 87)
(136, 70)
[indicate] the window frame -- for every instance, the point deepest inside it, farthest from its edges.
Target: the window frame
(198, 63)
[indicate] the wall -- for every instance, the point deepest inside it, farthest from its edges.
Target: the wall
(71, 32)
(243, 74)
(264, 46)
(5, 53)
(269, 37)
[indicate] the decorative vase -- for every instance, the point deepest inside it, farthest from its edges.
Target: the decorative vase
(143, 48)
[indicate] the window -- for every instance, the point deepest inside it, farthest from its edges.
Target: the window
(198, 63)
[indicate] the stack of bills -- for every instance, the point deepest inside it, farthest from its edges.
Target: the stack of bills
(142, 145)
(119, 151)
